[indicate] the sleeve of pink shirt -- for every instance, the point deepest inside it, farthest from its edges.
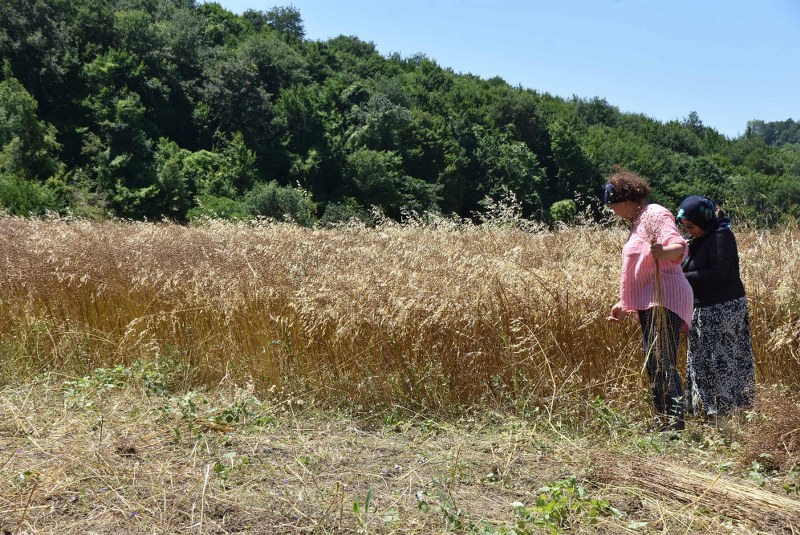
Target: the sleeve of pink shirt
(668, 232)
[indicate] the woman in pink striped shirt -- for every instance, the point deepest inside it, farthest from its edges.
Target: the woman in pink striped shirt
(653, 285)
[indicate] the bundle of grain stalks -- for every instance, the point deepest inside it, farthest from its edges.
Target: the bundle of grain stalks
(709, 494)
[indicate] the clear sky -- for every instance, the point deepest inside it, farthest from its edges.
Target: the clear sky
(728, 60)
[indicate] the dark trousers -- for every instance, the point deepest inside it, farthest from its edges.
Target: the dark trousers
(661, 329)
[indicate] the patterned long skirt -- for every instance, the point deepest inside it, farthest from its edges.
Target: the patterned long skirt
(720, 365)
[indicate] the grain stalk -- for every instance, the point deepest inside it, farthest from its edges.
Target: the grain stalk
(659, 327)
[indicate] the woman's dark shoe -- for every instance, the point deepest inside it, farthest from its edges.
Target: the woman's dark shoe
(675, 423)
(668, 424)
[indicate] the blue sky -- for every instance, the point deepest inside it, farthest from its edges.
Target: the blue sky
(728, 60)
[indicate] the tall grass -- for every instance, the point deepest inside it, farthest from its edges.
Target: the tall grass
(428, 317)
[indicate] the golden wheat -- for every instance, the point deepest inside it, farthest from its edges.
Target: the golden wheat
(421, 316)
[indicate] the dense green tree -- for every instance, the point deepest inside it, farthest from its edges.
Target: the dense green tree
(213, 207)
(23, 197)
(596, 111)
(287, 21)
(608, 146)
(346, 212)
(428, 84)
(280, 203)
(678, 138)
(359, 57)
(574, 171)
(505, 163)
(183, 109)
(28, 153)
(300, 116)
(28, 146)
(174, 196)
(374, 178)
(763, 199)
(777, 133)
(221, 26)
(229, 171)
(378, 124)
(119, 144)
(752, 153)
(563, 211)
(33, 40)
(704, 175)
(239, 93)
(790, 159)
(519, 113)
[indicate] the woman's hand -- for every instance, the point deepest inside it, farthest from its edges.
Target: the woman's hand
(616, 312)
(672, 252)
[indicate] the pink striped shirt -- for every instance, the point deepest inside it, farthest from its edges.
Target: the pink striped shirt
(637, 286)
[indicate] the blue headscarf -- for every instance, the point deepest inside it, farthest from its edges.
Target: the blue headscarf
(702, 212)
(613, 196)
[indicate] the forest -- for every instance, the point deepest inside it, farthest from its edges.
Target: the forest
(179, 110)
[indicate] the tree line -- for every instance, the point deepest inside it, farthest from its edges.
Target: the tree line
(151, 109)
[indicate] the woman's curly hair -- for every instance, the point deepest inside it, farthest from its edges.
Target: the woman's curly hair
(628, 184)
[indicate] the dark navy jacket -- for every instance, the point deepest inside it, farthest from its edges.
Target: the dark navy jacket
(712, 268)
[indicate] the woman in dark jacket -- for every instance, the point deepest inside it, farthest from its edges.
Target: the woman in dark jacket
(720, 364)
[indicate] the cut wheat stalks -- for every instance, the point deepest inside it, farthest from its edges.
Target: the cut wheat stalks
(659, 324)
(695, 489)
(658, 321)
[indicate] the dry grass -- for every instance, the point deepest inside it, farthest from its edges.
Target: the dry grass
(106, 457)
(417, 332)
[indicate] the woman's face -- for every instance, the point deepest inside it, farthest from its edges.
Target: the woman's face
(627, 210)
(693, 230)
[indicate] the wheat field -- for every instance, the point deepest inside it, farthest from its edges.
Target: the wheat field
(434, 317)
(436, 377)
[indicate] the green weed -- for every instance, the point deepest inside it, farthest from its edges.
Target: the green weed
(560, 505)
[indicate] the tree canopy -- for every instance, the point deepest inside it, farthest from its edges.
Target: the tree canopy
(174, 109)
